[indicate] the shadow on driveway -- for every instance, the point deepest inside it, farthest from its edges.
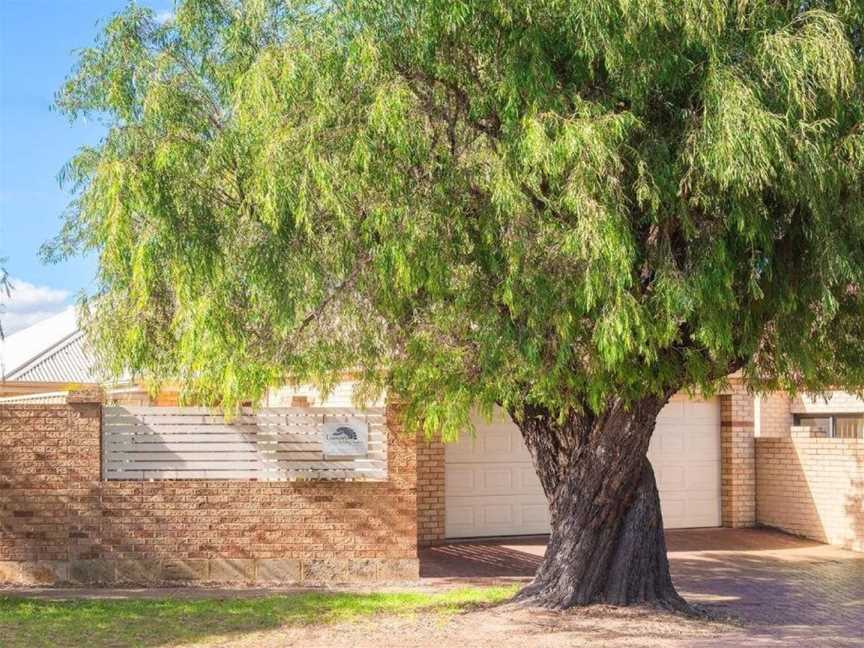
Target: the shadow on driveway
(784, 588)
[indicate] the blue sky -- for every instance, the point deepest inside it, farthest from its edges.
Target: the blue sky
(37, 43)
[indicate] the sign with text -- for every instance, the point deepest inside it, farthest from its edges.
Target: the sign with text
(348, 438)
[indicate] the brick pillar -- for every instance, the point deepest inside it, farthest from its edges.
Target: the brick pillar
(84, 436)
(738, 458)
(92, 395)
(430, 492)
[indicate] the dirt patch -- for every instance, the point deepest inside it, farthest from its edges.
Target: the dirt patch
(503, 627)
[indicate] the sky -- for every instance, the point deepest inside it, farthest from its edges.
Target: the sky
(38, 39)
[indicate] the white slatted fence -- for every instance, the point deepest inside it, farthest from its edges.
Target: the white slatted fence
(273, 444)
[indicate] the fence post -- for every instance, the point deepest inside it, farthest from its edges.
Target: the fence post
(90, 397)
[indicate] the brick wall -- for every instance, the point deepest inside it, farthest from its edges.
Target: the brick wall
(812, 488)
(430, 492)
(773, 416)
(59, 522)
(738, 470)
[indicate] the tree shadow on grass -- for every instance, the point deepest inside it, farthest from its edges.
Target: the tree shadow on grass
(149, 623)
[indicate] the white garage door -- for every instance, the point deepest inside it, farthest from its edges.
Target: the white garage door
(685, 454)
(490, 484)
(491, 487)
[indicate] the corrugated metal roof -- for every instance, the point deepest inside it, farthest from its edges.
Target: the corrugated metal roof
(68, 360)
(23, 347)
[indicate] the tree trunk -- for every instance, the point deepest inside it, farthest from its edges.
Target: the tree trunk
(607, 543)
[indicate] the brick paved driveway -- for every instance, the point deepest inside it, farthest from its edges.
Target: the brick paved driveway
(785, 590)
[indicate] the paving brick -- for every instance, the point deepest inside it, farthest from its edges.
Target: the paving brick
(782, 590)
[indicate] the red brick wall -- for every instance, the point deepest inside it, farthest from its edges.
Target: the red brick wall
(430, 492)
(812, 488)
(59, 522)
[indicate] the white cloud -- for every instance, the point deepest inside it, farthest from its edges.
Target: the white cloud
(163, 17)
(29, 304)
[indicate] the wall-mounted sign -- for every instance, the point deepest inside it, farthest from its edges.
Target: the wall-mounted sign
(346, 439)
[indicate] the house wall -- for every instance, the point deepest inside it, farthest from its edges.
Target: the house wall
(342, 395)
(60, 523)
(430, 492)
(773, 415)
(738, 468)
(812, 487)
(835, 402)
(738, 471)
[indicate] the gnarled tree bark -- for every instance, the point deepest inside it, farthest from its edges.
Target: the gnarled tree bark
(607, 543)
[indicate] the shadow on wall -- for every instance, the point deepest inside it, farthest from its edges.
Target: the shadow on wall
(60, 522)
(812, 487)
(855, 499)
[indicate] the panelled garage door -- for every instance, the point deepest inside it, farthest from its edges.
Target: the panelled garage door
(685, 454)
(491, 488)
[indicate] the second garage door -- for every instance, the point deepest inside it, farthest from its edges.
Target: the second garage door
(491, 487)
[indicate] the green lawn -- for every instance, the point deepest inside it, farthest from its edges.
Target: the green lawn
(158, 622)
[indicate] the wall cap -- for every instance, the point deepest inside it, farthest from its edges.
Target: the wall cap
(95, 395)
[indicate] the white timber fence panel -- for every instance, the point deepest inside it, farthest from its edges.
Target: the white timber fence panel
(273, 444)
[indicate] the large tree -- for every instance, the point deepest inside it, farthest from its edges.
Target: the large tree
(571, 209)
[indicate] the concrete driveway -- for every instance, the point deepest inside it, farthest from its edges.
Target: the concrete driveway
(785, 590)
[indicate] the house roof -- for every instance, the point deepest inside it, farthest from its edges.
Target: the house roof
(53, 350)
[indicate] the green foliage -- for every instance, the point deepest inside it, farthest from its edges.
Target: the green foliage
(539, 202)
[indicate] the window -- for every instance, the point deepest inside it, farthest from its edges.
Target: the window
(837, 426)
(849, 426)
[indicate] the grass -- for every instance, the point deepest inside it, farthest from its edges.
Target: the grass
(170, 621)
